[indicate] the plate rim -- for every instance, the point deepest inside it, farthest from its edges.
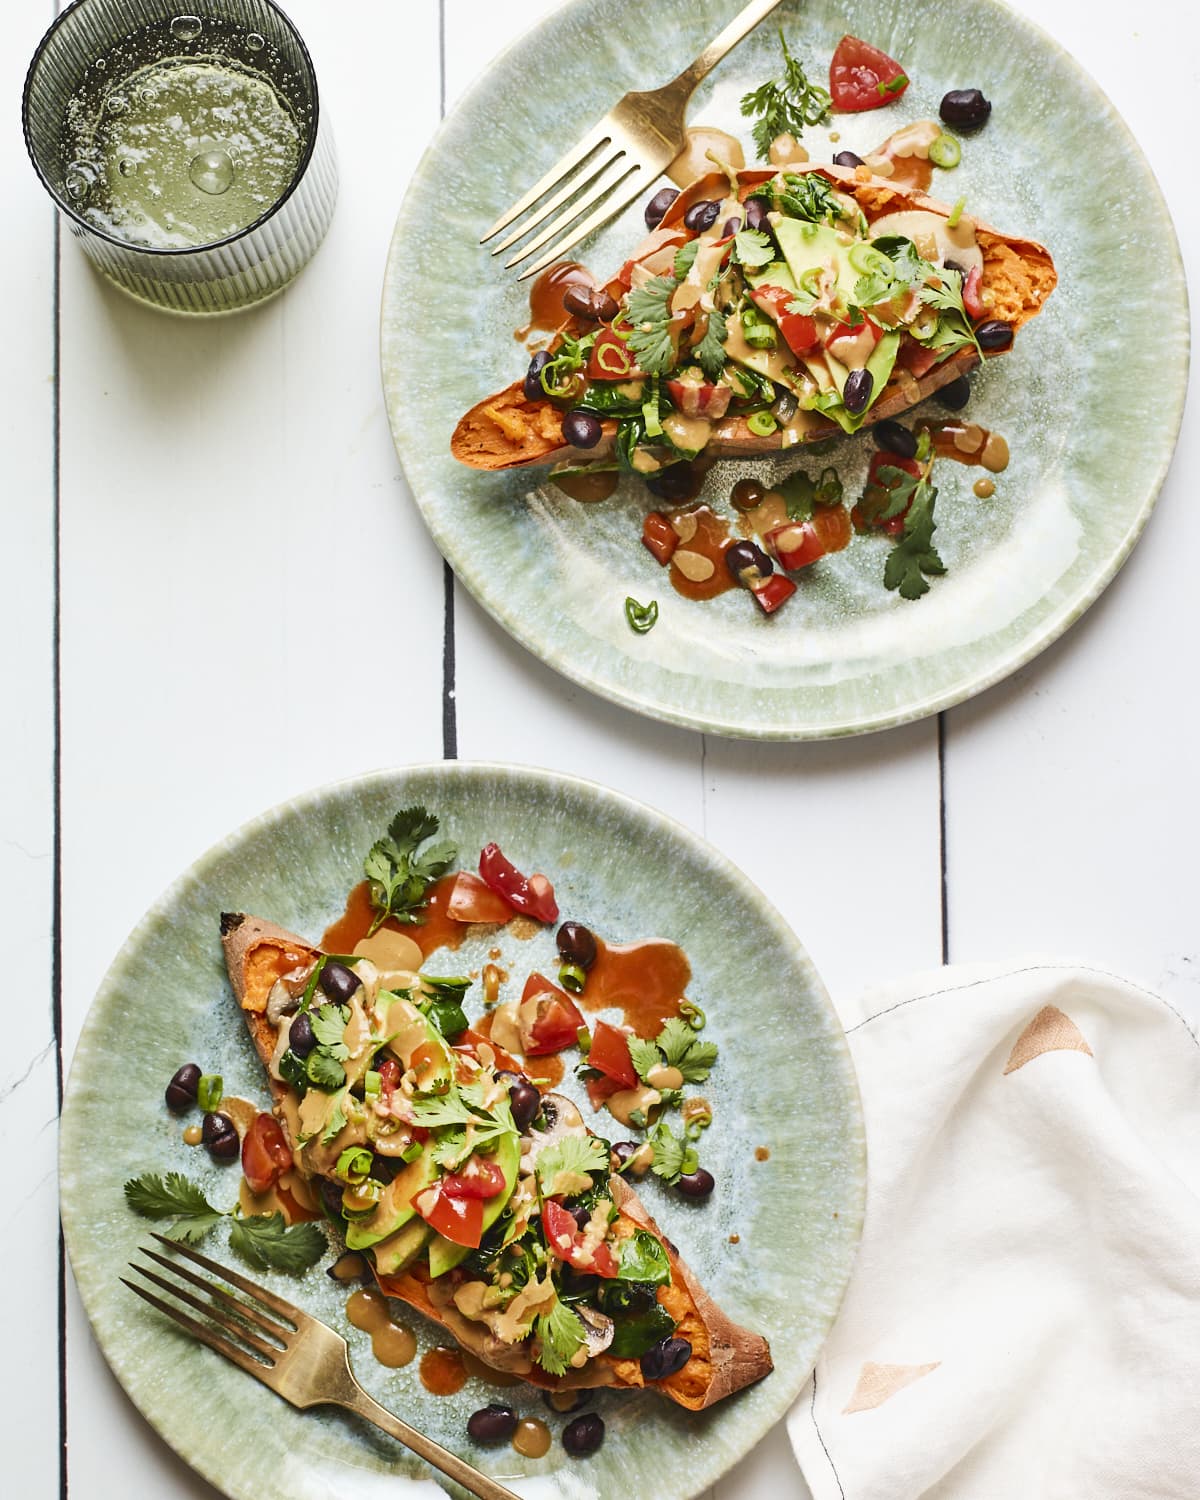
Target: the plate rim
(798, 730)
(92, 1284)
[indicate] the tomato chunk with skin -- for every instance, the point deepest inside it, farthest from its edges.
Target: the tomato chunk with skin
(609, 1054)
(564, 1239)
(973, 294)
(770, 594)
(533, 895)
(476, 1178)
(611, 359)
(473, 900)
(700, 398)
(558, 1021)
(266, 1155)
(659, 537)
(799, 543)
(470, 1041)
(862, 77)
(459, 1220)
(799, 331)
(916, 358)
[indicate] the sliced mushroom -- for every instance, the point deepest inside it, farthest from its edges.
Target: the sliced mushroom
(598, 1328)
(280, 1002)
(562, 1119)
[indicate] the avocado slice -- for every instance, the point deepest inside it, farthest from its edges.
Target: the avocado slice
(410, 1030)
(399, 1250)
(394, 1208)
(880, 364)
(444, 1255)
(807, 246)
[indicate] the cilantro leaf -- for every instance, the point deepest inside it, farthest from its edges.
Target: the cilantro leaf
(644, 1055)
(683, 1049)
(648, 308)
(674, 1156)
(400, 876)
(804, 195)
(173, 1196)
(561, 1334)
(685, 258)
(323, 1070)
(329, 1026)
(266, 1242)
(914, 555)
(336, 1122)
(753, 248)
(709, 353)
(785, 105)
(568, 1167)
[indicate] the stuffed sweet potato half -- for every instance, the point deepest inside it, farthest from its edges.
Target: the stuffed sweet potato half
(485, 1205)
(767, 310)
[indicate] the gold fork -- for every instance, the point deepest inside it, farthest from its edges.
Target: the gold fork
(617, 159)
(300, 1358)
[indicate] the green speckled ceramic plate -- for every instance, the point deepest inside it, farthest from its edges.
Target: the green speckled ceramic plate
(784, 1080)
(844, 655)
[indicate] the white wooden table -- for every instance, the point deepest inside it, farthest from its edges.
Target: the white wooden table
(151, 465)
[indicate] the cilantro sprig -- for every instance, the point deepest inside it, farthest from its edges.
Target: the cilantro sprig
(674, 1155)
(676, 1046)
(265, 1240)
(562, 1335)
(649, 311)
(784, 106)
(399, 874)
(914, 557)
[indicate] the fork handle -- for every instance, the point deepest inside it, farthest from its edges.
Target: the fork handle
(728, 39)
(357, 1400)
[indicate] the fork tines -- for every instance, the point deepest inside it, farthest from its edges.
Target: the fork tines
(226, 1314)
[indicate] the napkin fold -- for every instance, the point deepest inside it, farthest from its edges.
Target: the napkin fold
(1023, 1322)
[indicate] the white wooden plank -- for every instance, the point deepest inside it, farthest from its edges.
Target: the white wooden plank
(28, 1074)
(239, 547)
(1072, 792)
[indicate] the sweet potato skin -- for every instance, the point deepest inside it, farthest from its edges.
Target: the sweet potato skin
(725, 1356)
(507, 431)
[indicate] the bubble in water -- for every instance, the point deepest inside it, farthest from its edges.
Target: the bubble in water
(147, 93)
(127, 166)
(211, 171)
(78, 181)
(255, 43)
(186, 28)
(117, 104)
(99, 65)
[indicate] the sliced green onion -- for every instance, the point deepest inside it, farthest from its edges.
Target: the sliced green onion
(411, 1151)
(641, 617)
(693, 1015)
(372, 1083)
(572, 978)
(209, 1091)
(956, 213)
(650, 411)
(867, 260)
(583, 1040)
(829, 488)
(762, 423)
(761, 336)
(354, 1165)
(310, 987)
(924, 445)
(945, 151)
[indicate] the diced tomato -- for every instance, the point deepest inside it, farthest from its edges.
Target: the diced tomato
(972, 299)
(565, 1240)
(558, 1021)
(532, 895)
(700, 400)
(472, 900)
(845, 340)
(915, 358)
(389, 1075)
(799, 332)
(459, 1220)
(866, 513)
(601, 1089)
(659, 537)
(770, 594)
(609, 1054)
(469, 1042)
(476, 1178)
(799, 543)
(266, 1154)
(862, 77)
(610, 358)
(882, 459)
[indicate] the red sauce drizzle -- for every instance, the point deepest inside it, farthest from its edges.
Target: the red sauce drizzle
(647, 980)
(436, 931)
(442, 1371)
(711, 540)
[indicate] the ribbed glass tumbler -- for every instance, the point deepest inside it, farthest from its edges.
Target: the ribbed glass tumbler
(184, 145)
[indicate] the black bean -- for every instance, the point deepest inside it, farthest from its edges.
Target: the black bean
(666, 1358)
(181, 1091)
(956, 394)
(590, 302)
(856, 395)
(492, 1424)
(756, 213)
(656, 209)
(576, 944)
(623, 1150)
(584, 1435)
(301, 1038)
(994, 334)
(697, 1184)
(965, 108)
(338, 982)
(745, 558)
(581, 429)
(953, 265)
(731, 227)
(675, 482)
(220, 1136)
(893, 438)
(702, 215)
(533, 376)
(847, 159)
(525, 1102)
(785, 406)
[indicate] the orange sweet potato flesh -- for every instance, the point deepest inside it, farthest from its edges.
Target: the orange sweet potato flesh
(725, 1357)
(507, 431)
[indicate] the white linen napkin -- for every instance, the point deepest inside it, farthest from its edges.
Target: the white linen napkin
(1023, 1321)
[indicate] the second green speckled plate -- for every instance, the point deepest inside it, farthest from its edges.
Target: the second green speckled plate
(783, 1080)
(843, 656)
